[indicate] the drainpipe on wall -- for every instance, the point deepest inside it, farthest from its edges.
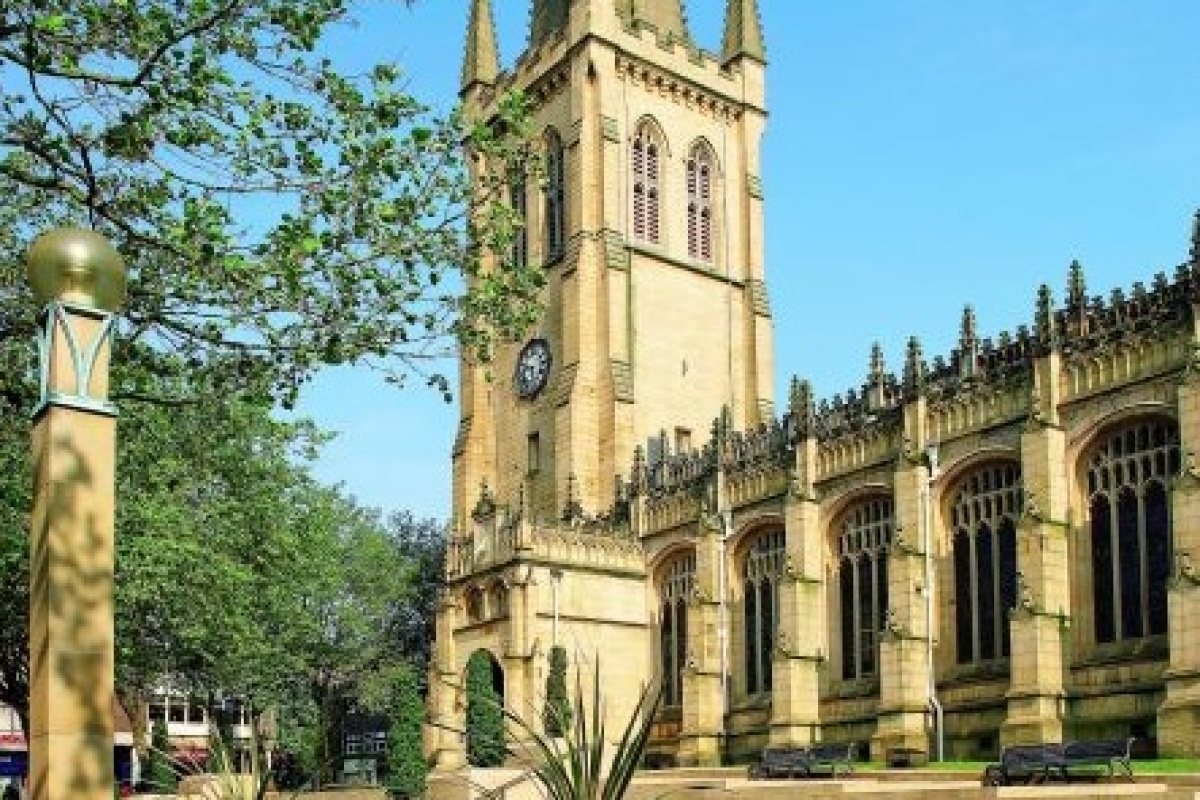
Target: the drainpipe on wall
(935, 705)
(723, 621)
(555, 579)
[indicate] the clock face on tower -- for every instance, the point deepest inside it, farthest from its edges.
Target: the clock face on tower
(533, 368)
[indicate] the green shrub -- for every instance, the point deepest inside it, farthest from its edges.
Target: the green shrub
(556, 716)
(406, 765)
(485, 714)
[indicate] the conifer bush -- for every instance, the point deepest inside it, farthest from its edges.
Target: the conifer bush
(406, 765)
(485, 714)
(556, 716)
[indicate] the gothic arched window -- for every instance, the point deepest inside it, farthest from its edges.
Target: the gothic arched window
(863, 538)
(516, 195)
(498, 600)
(556, 205)
(760, 602)
(1127, 476)
(647, 152)
(474, 604)
(700, 203)
(983, 516)
(679, 576)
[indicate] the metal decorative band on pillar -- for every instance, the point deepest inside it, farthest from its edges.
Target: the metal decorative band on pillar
(58, 327)
(80, 281)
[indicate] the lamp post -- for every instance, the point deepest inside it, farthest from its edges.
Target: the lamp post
(79, 280)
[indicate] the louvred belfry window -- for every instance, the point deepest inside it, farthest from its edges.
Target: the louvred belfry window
(555, 196)
(700, 205)
(646, 154)
(520, 245)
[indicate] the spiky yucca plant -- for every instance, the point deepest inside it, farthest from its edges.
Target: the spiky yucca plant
(572, 767)
(556, 716)
(224, 780)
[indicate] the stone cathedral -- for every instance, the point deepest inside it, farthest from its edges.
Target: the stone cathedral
(991, 546)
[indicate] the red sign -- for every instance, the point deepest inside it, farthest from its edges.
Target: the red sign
(12, 740)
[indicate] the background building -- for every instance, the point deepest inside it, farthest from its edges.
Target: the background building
(14, 748)
(991, 546)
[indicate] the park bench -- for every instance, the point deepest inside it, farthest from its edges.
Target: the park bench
(780, 762)
(804, 762)
(1038, 763)
(1024, 763)
(1112, 754)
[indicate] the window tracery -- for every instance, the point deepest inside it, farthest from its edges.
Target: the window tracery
(761, 571)
(1130, 530)
(983, 518)
(679, 578)
(863, 539)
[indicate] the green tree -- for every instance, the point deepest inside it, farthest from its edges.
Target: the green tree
(16, 480)
(485, 714)
(161, 774)
(422, 543)
(167, 125)
(212, 499)
(406, 766)
(556, 715)
(350, 659)
(300, 584)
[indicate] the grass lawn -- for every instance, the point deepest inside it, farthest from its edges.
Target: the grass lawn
(1158, 766)
(1166, 766)
(941, 766)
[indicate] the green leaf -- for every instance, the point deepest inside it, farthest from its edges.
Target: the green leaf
(51, 24)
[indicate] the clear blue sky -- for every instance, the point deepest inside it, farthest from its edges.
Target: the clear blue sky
(921, 154)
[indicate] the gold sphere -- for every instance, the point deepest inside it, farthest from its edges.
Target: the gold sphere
(76, 266)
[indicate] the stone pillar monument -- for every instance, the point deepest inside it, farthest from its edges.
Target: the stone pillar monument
(80, 281)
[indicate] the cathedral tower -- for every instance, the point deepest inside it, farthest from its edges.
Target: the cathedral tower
(649, 225)
(648, 222)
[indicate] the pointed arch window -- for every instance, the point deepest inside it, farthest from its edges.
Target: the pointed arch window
(474, 604)
(863, 539)
(497, 600)
(1128, 475)
(647, 155)
(679, 578)
(555, 197)
(700, 203)
(516, 196)
(761, 573)
(983, 516)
